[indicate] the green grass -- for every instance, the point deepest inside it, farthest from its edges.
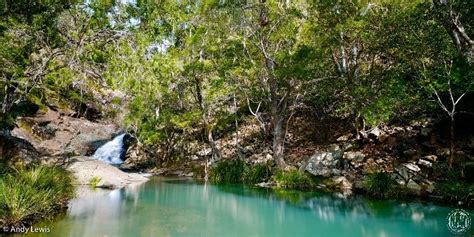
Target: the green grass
(94, 181)
(292, 179)
(237, 171)
(380, 185)
(31, 193)
(227, 171)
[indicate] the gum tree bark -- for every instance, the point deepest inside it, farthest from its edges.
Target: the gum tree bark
(450, 21)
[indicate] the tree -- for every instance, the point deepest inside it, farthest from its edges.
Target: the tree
(270, 34)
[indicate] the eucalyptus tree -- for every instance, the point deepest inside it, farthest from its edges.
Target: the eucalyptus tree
(273, 51)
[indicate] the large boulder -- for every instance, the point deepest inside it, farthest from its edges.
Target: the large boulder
(54, 134)
(16, 150)
(325, 164)
(86, 169)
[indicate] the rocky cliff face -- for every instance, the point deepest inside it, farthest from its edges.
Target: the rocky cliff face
(50, 134)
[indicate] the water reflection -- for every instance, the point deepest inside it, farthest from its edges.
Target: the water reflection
(170, 207)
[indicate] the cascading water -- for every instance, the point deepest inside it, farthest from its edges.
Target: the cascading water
(111, 151)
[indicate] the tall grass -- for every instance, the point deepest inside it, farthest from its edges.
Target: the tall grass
(34, 192)
(237, 171)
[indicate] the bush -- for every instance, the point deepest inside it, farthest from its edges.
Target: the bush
(379, 184)
(292, 179)
(30, 193)
(227, 171)
(256, 173)
(94, 181)
(236, 171)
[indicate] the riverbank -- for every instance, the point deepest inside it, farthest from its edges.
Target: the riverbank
(32, 193)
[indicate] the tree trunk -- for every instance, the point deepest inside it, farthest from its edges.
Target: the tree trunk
(451, 144)
(450, 21)
(278, 146)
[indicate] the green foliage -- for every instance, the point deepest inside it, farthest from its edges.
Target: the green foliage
(379, 184)
(94, 181)
(227, 171)
(256, 173)
(29, 193)
(237, 171)
(455, 190)
(292, 179)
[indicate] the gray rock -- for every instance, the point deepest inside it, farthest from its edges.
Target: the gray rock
(431, 158)
(376, 132)
(54, 134)
(407, 171)
(324, 163)
(354, 156)
(412, 185)
(344, 183)
(412, 167)
(344, 137)
(204, 152)
(265, 184)
(85, 168)
(425, 163)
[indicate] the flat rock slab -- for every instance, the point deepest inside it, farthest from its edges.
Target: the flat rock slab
(85, 169)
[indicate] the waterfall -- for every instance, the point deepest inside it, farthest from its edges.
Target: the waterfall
(111, 152)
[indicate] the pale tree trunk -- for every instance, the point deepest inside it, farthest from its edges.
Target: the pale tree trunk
(451, 113)
(450, 21)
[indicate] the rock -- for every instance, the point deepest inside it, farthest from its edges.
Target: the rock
(443, 152)
(429, 186)
(265, 184)
(412, 185)
(375, 132)
(425, 163)
(344, 183)
(383, 137)
(135, 158)
(354, 156)
(324, 163)
(407, 171)
(53, 134)
(84, 169)
(16, 150)
(344, 137)
(431, 158)
(412, 167)
(191, 174)
(204, 152)
(176, 173)
(105, 185)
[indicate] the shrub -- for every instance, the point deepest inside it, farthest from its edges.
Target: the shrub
(292, 179)
(227, 171)
(256, 173)
(29, 193)
(94, 181)
(379, 184)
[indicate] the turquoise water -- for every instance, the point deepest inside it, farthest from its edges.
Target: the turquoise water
(172, 207)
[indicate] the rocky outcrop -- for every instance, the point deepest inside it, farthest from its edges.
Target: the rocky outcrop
(54, 134)
(16, 150)
(325, 164)
(86, 169)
